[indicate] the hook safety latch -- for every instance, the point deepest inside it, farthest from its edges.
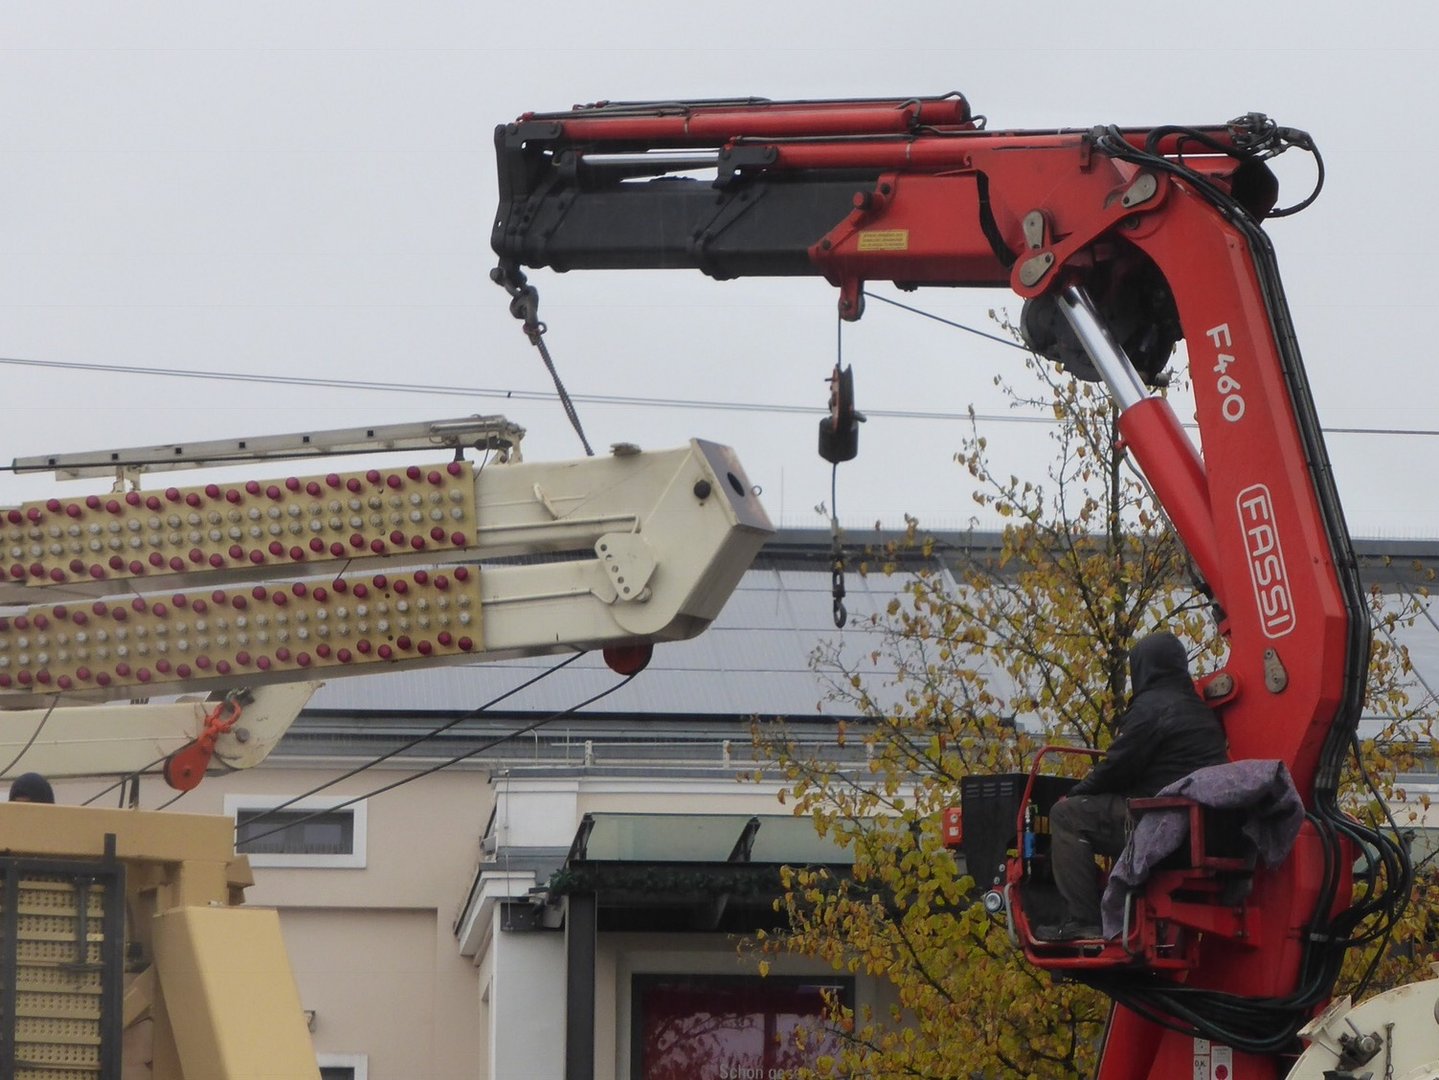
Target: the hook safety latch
(186, 767)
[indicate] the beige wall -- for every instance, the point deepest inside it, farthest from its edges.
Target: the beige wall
(366, 973)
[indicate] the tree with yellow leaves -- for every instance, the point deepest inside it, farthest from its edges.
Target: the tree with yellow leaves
(983, 665)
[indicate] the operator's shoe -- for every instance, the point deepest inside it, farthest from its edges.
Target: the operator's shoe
(1070, 930)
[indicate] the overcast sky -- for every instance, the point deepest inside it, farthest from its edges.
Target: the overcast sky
(305, 188)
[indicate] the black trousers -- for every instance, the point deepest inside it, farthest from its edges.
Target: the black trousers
(1081, 827)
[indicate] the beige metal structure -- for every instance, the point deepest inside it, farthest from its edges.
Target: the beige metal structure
(121, 739)
(1394, 1035)
(209, 994)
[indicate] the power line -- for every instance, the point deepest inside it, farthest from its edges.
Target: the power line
(33, 736)
(124, 780)
(488, 745)
(472, 714)
(441, 390)
(629, 400)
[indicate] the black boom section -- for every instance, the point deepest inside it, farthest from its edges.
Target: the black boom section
(555, 211)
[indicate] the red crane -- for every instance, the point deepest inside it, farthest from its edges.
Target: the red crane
(1122, 242)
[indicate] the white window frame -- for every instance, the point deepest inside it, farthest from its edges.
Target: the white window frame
(354, 860)
(360, 1063)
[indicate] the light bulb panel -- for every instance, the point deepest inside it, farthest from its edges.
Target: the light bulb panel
(222, 637)
(276, 524)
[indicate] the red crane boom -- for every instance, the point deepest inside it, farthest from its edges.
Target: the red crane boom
(1122, 242)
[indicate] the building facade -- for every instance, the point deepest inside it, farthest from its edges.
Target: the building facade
(527, 893)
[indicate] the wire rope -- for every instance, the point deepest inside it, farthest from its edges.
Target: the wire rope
(124, 780)
(625, 400)
(33, 736)
(470, 715)
(489, 745)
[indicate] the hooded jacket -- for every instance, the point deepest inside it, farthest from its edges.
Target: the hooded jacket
(31, 787)
(1166, 733)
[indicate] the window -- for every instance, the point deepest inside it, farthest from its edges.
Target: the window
(314, 832)
(343, 1066)
(729, 1027)
(295, 832)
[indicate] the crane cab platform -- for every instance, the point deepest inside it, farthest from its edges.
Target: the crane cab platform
(1198, 890)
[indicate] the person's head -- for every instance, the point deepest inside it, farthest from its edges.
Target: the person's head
(31, 787)
(1158, 658)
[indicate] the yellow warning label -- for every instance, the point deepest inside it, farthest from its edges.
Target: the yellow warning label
(884, 240)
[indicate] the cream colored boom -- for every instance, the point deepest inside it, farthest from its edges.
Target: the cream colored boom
(1394, 1035)
(121, 739)
(253, 584)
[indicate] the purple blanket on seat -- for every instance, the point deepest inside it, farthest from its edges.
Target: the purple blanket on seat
(1264, 788)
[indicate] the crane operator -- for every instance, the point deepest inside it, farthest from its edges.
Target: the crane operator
(1166, 733)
